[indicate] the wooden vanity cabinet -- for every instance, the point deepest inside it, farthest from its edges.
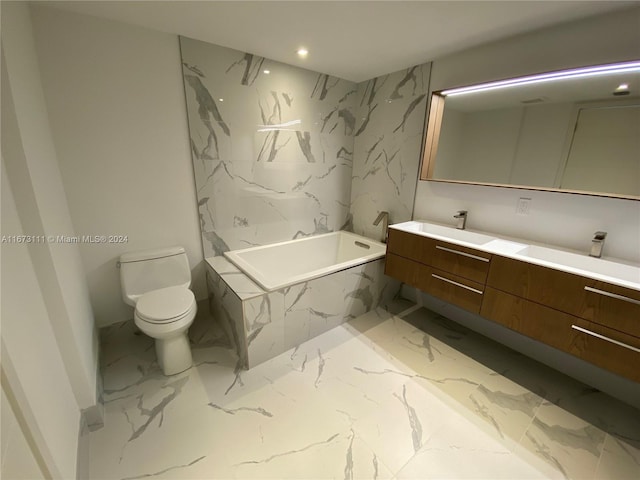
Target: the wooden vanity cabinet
(532, 319)
(590, 341)
(460, 261)
(612, 306)
(594, 320)
(453, 273)
(408, 271)
(610, 349)
(603, 303)
(409, 245)
(457, 290)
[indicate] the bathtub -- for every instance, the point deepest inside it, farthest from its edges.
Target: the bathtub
(272, 298)
(286, 263)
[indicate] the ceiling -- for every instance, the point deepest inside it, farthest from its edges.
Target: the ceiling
(355, 40)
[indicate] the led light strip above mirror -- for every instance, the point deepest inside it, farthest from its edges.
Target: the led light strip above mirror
(547, 77)
(497, 135)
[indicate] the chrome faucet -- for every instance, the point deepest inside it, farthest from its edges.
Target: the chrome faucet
(597, 243)
(462, 219)
(384, 218)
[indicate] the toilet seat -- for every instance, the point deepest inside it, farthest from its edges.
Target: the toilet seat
(165, 305)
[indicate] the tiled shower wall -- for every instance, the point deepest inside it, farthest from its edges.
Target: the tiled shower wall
(292, 152)
(388, 139)
(272, 152)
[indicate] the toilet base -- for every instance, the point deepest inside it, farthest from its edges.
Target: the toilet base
(174, 354)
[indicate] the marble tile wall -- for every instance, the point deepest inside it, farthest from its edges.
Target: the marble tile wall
(293, 153)
(263, 324)
(342, 152)
(272, 152)
(390, 115)
(226, 308)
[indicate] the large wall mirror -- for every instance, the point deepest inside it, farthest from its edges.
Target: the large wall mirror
(573, 131)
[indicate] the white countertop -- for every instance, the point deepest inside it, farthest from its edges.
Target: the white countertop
(611, 270)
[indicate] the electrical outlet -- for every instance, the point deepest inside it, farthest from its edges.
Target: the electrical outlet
(523, 207)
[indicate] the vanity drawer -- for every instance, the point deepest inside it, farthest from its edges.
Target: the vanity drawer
(602, 346)
(612, 306)
(407, 271)
(533, 320)
(462, 261)
(410, 245)
(446, 286)
(609, 349)
(609, 305)
(559, 290)
(457, 290)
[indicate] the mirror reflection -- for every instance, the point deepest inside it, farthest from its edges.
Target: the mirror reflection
(575, 134)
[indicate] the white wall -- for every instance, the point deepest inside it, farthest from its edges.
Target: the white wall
(18, 459)
(117, 111)
(557, 218)
(32, 167)
(39, 379)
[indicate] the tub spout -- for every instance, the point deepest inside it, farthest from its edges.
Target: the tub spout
(384, 218)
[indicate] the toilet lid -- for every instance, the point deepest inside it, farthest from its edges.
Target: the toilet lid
(165, 304)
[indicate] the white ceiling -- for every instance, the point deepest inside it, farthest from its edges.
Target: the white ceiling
(355, 40)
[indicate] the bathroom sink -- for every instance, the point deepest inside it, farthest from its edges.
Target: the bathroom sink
(444, 233)
(609, 270)
(583, 263)
(503, 247)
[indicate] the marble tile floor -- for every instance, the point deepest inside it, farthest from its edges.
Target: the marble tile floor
(406, 396)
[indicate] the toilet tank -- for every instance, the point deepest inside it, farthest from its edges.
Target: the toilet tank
(146, 270)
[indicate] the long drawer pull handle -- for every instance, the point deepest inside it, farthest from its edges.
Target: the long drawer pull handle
(612, 295)
(464, 254)
(602, 337)
(456, 283)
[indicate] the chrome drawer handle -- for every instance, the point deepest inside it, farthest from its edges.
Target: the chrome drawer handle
(456, 283)
(612, 295)
(607, 339)
(464, 254)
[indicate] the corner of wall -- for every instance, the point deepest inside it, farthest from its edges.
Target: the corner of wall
(33, 172)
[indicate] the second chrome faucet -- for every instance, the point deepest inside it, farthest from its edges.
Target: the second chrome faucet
(597, 243)
(462, 219)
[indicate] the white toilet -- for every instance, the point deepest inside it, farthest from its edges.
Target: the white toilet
(156, 282)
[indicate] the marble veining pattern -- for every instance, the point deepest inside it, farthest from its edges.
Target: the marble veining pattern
(264, 324)
(355, 402)
(390, 119)
(295, 153)
(272, 152)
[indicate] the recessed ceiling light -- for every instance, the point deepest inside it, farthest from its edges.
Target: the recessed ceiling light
(303, 52)
(266, 72)
(221, 99)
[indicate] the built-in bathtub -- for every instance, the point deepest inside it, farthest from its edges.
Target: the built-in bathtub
(274, 297)
(287, 263)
